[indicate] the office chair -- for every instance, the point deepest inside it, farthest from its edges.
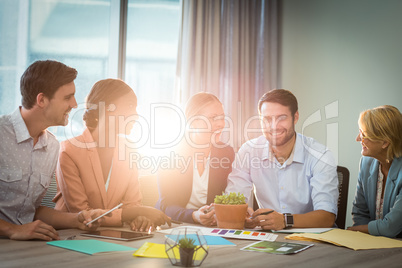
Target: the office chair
(343, 187)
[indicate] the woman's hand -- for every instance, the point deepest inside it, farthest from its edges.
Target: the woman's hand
(359, 228)
(205, 215)
(142, 224)
(156, 216)
(86, 216)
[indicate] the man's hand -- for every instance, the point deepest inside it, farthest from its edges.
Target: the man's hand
(272, 221)
(250, 224)
(33, 230)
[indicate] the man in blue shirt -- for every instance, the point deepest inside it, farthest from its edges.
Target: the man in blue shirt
(29, 154)
(294, 177)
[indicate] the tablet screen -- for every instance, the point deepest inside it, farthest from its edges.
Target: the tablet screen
(118, 235)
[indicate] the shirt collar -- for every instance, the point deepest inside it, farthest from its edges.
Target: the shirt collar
(298, 150)
(21, 130)
(297, 154)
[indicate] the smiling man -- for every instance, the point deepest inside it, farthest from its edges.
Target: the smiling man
(28, 154)
(294, 177)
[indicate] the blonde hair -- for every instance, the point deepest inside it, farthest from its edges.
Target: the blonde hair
(384, 123)
(198, 102)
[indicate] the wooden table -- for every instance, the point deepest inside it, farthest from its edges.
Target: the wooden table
(38, 254)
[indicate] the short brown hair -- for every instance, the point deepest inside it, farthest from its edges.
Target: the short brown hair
(44, 77)
(384, 123)
(281, 96)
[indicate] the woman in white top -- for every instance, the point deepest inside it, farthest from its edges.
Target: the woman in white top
(202, 164)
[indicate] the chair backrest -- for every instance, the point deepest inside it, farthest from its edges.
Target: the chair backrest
(50, 193)
(343, 187)
(149, 190)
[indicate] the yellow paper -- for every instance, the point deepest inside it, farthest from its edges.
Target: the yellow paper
(153, 250)
(350, 239)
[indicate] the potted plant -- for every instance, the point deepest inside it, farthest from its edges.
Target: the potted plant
(230, 210)
(186, 249)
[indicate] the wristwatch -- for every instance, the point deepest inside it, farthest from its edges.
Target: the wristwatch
(288, 220)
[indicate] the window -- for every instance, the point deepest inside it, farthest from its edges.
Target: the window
(83, 35)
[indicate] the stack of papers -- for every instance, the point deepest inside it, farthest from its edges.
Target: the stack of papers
(349, 239)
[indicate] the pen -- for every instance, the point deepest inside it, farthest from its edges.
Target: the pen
(263, 213)
(107, 212)
(177, 222)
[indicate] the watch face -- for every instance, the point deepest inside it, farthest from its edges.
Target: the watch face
(289, 219)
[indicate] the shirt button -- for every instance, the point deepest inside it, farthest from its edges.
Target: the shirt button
(283, 206)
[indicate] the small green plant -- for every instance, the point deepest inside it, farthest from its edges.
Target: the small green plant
(186, 242)
(230, 199)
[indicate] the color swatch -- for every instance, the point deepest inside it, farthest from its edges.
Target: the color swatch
(240, 234)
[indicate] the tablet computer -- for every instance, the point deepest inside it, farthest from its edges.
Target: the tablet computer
(118, 235)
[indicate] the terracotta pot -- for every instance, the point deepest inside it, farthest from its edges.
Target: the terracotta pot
(231, 216)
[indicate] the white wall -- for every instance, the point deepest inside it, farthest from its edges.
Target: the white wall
(344, 51)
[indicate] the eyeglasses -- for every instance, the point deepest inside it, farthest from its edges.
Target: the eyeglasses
(362, 135)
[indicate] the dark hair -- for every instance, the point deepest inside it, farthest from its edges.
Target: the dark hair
(44, 77)
(107, 91)
(281, 96)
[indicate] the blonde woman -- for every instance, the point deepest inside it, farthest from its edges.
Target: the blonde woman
(187, 191)
(377, 208)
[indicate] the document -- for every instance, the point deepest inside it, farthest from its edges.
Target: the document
(303, 230)
(276, 247)
(349, 239)
(230, 233)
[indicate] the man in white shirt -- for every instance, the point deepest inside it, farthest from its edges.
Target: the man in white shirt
(29, 154)
(294, 177)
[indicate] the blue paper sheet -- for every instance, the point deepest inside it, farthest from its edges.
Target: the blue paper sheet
(90, 246)
(211, 240)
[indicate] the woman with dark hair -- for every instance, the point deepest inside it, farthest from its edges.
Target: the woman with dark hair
(94, 170)
(377, 208)
(187, 191)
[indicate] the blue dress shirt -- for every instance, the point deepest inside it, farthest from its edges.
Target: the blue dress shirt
(307, 181)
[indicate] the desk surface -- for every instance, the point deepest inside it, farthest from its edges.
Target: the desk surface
(38, 254)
